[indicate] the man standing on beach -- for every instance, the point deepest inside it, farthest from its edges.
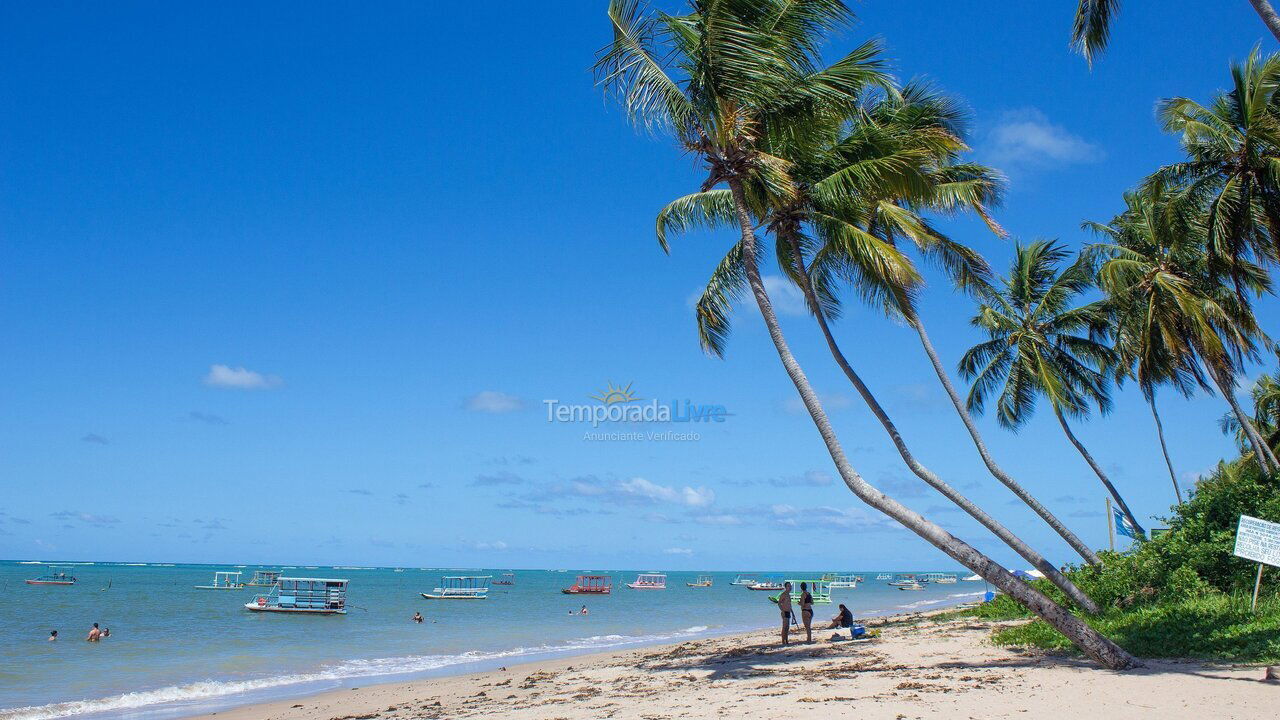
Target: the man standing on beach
(784, 604)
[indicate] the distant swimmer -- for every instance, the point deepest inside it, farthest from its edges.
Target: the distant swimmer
(106, 633)
(584, 610)
(417, 617)
(94, 634)
(53, 635)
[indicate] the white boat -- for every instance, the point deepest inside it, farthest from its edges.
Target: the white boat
(842, 580)
(765, 585)
(911, 586)
(264, 578)
(905, 580)
(461, 587)
(884, 576)
(939, 578)
(223, 581)
(649, 581)
(309, 596)
(973, 578)
(746, 579)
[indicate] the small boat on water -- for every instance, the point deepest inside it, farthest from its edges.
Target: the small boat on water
(973, 578)
(461, 587)
(263, 578)
(904, 580)
(702, 581)
(765, 585)
(590, 585)
(508, 578)
(746, 579)
(223, 581)
(649, 581)
(313, 596)
(53, 578)
(910, 586)
(842, 580)
(939, 578)
(884, 576)
(819, 590)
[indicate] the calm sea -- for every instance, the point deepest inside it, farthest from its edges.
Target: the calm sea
(176, 651)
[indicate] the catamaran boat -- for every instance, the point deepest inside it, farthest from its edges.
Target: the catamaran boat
(223, 581)
(746, 579)
(53, 578)
(842, 580)
(819, 590)
(590, 585)
(461, 587)
(884, 576)
(507, 578)
(904, 580)
(263, 578)
(909, 586)
(765, 585)
(315, 596)
(702, 581)
(939, 578)
(649, 581)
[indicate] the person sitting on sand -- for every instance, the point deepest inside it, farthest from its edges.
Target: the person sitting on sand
(583, 611)
(53, 635)
(806, 611)
(417, 617)
(94, 634)
(784, 605)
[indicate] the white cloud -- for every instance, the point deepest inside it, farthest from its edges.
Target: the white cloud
(693, 497)
(239, 378)
(830, 401)
(494, 402)
(786, 297)
(495, 545)
(719, 519)
(1025, 137)
(678, 551)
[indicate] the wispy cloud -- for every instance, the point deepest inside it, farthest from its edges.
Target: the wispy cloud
(206, 418)
(678, 551)
(1026, 138)
(490, 545)
(830, 518)
(830, 401)
(500, 478)
(786, 297)
(809, 478)
(494, 402)
(85, 518)
(401, 499)
(611, 492)
(239, 378)
(360, 491)
(95, 439)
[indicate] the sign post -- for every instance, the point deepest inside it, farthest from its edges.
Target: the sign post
(1259, 541)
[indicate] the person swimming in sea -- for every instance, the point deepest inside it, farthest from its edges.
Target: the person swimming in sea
(53, 636)
(583, 611)
(417, 617)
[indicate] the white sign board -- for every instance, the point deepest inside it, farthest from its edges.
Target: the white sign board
(1258, 540)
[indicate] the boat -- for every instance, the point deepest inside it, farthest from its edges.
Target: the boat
(263, 578)
(53, 578)
(702, 581)
(460, 587)
(507, 578)
(842, 580)
(223, 580)
(819, 590)
(904, 579)
(765, 585)
(973, 578)
(884, 576)
(910, 586)
(939, 578)
(315, 596)
(649, 581)
(746, 579)
(590, 585)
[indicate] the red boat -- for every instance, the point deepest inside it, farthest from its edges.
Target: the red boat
(58, 578)
(590, 585)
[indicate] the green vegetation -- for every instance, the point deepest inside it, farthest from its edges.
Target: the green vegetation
(1181, 594)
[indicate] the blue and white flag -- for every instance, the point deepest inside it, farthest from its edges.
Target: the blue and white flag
(1123, 526)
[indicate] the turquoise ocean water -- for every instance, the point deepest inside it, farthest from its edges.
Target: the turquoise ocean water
(176, 651)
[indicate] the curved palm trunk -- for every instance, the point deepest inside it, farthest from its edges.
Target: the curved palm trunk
(1093, 644)
(999, 530)
(1268, 15)
(1115, 495)
(996, 471)
(1151, 400)
(1266, 458)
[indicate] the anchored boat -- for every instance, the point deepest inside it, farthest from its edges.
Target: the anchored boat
(765, 585)
(909, 586)
(461, 587)
(904, 580)
(819, 590)
(746, 579)
(590, 585)
(507, 578)
(702, 581)
(53, 578)
(263, 578)
(884, 576)
(939, 578)
(649, 581)
(315, 596)
(842, 580)
(223, 581)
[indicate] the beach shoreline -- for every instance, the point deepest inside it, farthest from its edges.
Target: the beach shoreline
(918, 665)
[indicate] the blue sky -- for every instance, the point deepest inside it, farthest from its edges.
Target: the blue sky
(291, 284)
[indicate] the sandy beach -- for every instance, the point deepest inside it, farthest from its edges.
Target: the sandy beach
(916, 668)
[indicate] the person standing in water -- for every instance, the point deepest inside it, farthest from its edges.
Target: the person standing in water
(784, 605)
(53, 636)
(94, 634)
(806, 611)
(417, 617)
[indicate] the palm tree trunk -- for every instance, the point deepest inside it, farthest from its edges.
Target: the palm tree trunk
(1093, 644)
(1266, 458)
(1268, 15)
(996, 471)
(1151, 400)
(1115, 495)
(999, 530)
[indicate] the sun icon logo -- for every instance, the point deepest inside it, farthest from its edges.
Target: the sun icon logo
(616, 394)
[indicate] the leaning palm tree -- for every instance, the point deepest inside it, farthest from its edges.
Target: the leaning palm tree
(1266, 414)
(888, 148)
(1172, 317)
(720, 78)
(1091, 29)
(1042, 345)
